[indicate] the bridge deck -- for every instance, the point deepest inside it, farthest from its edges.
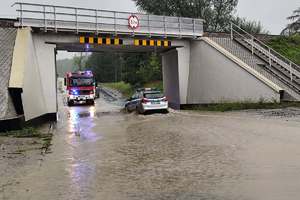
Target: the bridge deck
(62, 18)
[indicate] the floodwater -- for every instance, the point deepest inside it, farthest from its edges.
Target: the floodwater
(100, 152)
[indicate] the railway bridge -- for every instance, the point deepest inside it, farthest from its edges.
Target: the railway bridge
(197, 68)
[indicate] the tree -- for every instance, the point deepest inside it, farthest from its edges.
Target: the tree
(216, 13)
(252, 27)
(293, 27)
(133, 68)
(140, 68)
(222, 14)
(105, 65)
(78, 61)
(150, 69)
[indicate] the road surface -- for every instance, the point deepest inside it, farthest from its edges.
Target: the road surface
(100, 152)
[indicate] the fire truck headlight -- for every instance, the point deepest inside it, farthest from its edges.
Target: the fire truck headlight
(74, 92)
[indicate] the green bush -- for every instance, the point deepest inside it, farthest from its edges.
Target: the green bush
(155, 84)
(125, 88)
(287, 46)
(224, 107)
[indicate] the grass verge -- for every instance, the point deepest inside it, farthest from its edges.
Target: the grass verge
(31, 132)
(287, 46)
(225, 107)
(155, 84)
(127, 90)
(28, 132)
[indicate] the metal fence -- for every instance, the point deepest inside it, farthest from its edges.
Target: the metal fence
(64, 18)
(272, 55)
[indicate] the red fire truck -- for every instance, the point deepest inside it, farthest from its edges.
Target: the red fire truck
(81, 87)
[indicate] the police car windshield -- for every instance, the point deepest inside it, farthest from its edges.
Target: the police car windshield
(153, 95)
(75, 82)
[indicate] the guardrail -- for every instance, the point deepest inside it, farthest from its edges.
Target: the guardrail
(65, 18)
(273, 56)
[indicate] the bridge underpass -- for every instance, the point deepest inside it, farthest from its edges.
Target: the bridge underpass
(39, 69)
(196, 70)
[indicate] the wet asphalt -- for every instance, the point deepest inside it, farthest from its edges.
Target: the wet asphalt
(101, 152)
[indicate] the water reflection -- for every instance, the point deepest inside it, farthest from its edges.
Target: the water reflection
(92, 111)
(81, 121)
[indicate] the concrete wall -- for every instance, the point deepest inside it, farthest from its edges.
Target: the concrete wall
(183, 70)
(214, 78)
(7, 43)
(170, 77)
(33, 70)
(45, 58)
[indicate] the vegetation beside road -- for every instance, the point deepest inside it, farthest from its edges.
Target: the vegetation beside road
(31, 132)
(225, 107)
(217, 15)
(127, 89)
(287, 46)
(155, 84)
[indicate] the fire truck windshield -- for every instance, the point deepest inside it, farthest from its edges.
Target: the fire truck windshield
(75, 82)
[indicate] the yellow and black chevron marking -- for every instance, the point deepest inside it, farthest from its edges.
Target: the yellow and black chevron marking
(100, 40)
(158, 43)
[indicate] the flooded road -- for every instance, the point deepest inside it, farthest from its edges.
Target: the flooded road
(100, 152)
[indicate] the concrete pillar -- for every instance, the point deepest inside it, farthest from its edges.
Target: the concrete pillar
(45, 57)
(176, 68)
(183, 71)
(170, 77)
(33, 71)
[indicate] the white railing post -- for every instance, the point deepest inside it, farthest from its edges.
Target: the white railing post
(21, 14)
(115, 22)
(179, 24)
(76, 20)
(252, 44)
(291, 72)
(96, 21)
(45, 22)
(165, 29)
(270, 61)
(231, 31)
(55, 25)
(194, 28)
(149, 29)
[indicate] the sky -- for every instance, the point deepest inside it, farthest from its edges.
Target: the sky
(271, 13)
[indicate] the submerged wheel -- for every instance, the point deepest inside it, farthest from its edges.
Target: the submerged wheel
(90, 102)
(139, 110)
(166, 111)
(70, 103)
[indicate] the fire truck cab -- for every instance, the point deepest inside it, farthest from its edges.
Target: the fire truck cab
(81, 87)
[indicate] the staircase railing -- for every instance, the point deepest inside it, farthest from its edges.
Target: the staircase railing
(272, 55)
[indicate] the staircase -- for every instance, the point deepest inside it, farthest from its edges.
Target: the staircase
(264, 60)
(7, 42)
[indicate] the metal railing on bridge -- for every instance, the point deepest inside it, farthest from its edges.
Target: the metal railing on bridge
(272, 55)
(84, 20)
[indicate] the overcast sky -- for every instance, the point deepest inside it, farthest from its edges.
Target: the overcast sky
(271, 13)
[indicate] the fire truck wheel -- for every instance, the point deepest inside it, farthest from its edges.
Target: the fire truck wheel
(91, 102)
(70, 103)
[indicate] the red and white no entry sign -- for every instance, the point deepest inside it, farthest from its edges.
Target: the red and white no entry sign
(133, 22)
